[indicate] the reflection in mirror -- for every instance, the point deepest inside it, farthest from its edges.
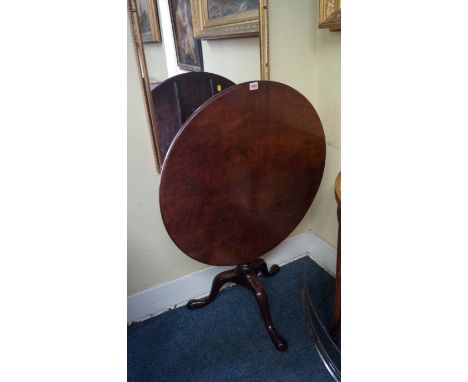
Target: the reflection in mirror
(189, 50)
(149, 21)
(178, 97)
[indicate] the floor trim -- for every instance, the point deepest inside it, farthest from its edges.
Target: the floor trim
(175, 293)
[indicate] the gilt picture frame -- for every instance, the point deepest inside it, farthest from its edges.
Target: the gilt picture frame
(330, 14)
(213, 19)
(188, 48)
(149, 21)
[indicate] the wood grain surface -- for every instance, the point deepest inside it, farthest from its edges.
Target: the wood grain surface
(177, 98)
(241, 173)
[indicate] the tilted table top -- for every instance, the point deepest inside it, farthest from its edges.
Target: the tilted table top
(242, 172)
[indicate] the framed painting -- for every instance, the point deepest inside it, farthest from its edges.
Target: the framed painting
(188, 48)
(149, 21)
(225, 18)
(330, 14)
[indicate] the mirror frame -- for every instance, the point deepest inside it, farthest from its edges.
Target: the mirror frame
(144, 79)
(143, 72)
(264, 40)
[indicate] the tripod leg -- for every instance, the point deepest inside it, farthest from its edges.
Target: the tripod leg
(260, 265)
(252, 282)
(218, 282)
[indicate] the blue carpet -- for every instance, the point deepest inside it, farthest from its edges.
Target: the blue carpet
(227, 340)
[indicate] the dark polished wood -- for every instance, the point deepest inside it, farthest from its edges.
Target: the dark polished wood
(246, 275)
(177, 98)
(242, 172)
(336, 324)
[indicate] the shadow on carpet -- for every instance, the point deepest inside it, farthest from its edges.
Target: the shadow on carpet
(227, 340)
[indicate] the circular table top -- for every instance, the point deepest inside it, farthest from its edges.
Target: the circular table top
(242, 172)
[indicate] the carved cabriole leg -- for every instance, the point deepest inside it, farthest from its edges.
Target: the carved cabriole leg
(252, 282)
(246, 276)
(218, 282)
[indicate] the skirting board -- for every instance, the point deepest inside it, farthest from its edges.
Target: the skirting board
(175, 293)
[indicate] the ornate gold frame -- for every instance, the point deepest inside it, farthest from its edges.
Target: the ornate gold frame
(144, 80)
(241, 25)
(330, 14)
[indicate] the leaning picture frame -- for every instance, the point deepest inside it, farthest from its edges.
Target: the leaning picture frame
(213, 19)
(149, 21)
(188, 48)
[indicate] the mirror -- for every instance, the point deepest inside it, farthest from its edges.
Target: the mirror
(226, 40)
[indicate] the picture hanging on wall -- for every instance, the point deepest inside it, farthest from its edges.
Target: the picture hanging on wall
(330, 14)
(225, 18)
(188, 49)
(149, 21)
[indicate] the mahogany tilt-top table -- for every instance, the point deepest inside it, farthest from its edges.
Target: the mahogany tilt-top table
(238, 178)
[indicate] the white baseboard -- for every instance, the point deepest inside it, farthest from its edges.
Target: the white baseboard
(158, 299)
(322, 253)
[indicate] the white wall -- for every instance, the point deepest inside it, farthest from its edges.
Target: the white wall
(309, 59)
(156, 62)
(155, 53)
(327, 100)
(237, 59)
